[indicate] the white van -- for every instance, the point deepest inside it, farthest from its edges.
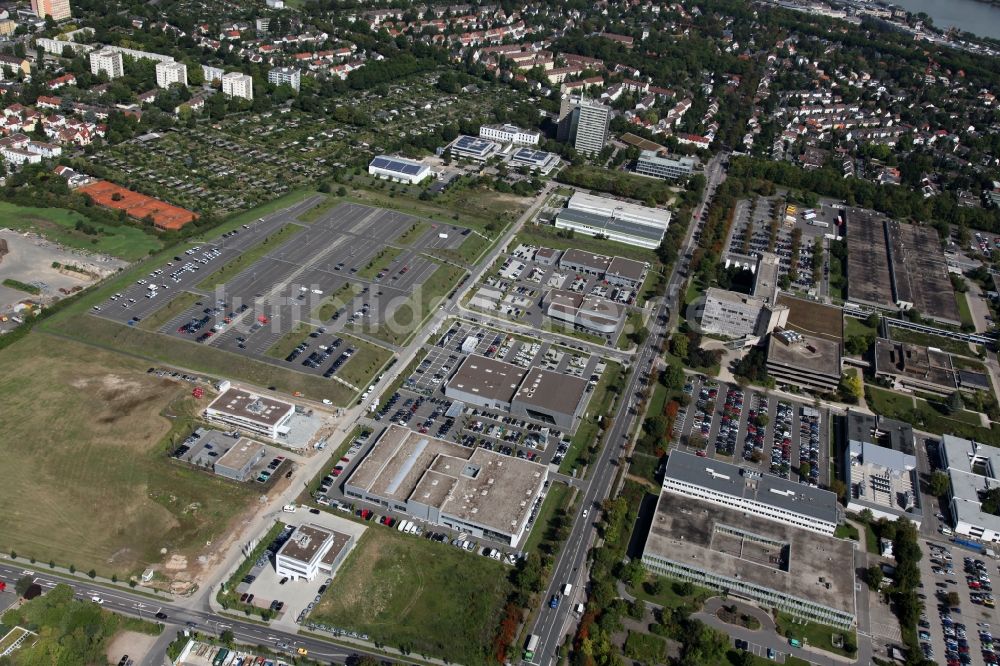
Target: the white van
(567, 588)
(403, 524)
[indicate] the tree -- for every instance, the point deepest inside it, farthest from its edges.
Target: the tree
(839, 488)
(874, 576)
(22, 585)
(852, 385)
(804, 469)
(673, 377)
(679, 345)
(939, 484)
(954, 403)
(227, 637)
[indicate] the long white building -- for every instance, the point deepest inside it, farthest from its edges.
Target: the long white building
(510, 134)
(747, 490)
(398, 169)
(972, 469)
(257, 414)
(620, 221)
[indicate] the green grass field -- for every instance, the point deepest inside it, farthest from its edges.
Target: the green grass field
(427, 597)
(964, 311)
(416, 230)
(86, 478)
(645, 648)
(365, 363)
(178, 304)
(600, 403)
(289, 341)
(670, 594)
(556, 498)
(59, 226)
(379, 262)
(854, 326)
(814, 634)
(199, 358)
(928, 340)
(899, 406)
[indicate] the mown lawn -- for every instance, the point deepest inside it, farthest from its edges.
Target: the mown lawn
(600, 404)
(59, 226)
(412, 593)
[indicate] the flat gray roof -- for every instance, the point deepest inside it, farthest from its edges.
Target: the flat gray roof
(243, 404)
(240, 453)
(815, 568)
(551, 391)
(474, 485)
(729, 479)
(488, 377)
(814, 354)
(627, 268)
(606, 223)
(598, 262)
(304, 543)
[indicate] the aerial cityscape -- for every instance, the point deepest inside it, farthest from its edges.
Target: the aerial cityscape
(376, 332)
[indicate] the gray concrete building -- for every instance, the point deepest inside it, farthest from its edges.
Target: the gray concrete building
(239, 459)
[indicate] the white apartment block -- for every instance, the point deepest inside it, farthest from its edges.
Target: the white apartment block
(211, 73)
(235, 84)
(107, 61)
(282, 75)
(510, 134)
(169, 73)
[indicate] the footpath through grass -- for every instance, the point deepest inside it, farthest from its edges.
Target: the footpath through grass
(424, 597)
(59, 225)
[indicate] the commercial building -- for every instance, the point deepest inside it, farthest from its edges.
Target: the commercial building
(235, 84)
(466, 147)
(584, 123)
(398, 169)
(618, 271)
(751, 493)
(239, 459)
(652, 164)
(169, 73)
(617, 220)
(809, 362)
(253, 413)
(108, 62)
(881, 464)
(541, 395)
(471, 490)
(590, 312)
(510, 134)
(57, 9)
(285, 75)
(536, 160)
(972, 470)
(312, 550)
(749, 557)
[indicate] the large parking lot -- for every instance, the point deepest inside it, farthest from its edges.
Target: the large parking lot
(756, 215)
(780, 436)
(290, 307)
(959, 614)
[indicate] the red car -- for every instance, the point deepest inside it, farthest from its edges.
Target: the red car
(345, 459)
(337, 471)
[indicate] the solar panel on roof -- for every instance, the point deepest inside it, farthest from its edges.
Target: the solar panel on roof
(398, 166)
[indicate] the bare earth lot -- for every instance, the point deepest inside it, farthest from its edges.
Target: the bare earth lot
(84, 480)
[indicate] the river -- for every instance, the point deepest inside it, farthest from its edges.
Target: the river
(979, 18)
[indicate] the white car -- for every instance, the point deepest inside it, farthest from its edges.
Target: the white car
(327, 401)
(96, 599)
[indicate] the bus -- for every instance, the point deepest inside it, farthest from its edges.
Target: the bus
(529, 647)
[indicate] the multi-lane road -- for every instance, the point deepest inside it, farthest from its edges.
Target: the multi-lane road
(552, 624)
(137, 605)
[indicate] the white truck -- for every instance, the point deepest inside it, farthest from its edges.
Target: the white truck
(567, 588)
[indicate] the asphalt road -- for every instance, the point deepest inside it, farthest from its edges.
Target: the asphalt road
(178, 618)
(551, 625)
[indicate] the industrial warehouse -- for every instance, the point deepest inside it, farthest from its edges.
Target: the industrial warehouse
(897, 266)
(472, 490)
(540, 395)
